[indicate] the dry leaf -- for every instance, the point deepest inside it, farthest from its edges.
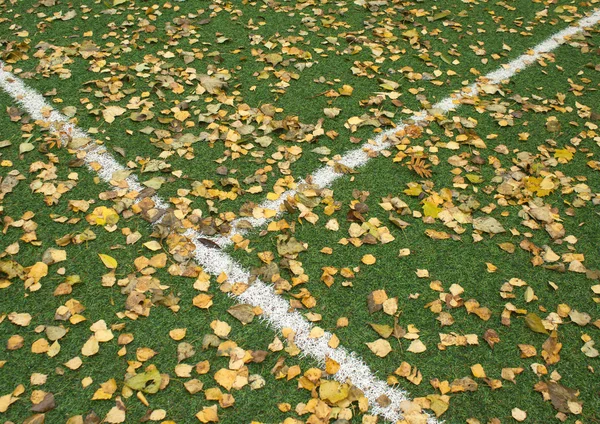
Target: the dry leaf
(417, 346)
(380, 347)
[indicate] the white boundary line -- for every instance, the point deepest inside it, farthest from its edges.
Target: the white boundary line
(326, 175)
(214, 261)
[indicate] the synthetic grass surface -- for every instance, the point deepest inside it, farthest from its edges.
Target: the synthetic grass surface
(304, 98)
(464, 262)
(449, 261)
(103, 303)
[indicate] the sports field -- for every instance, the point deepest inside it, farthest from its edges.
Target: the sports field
(299, 211)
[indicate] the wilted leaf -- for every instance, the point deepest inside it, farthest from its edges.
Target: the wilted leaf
(487, 224)
(580, 318)
(417, 346)
(111, 112)
(243, 312)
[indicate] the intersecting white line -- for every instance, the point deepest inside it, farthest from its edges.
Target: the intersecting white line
(214, 261)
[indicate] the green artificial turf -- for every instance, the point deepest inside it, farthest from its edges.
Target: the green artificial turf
(505, 29)
(103, 303)
(464, 262)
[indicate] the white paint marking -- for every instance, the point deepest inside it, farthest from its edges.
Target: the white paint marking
(214, 261)
(356, 158)
(276, 309)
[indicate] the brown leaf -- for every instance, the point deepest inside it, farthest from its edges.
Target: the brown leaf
(463, 384)
(491, 337)
(243, 312)
(419, 166)
(35, 419)
(562, 398)
(375, 300)
(45, 405)
(551, 349)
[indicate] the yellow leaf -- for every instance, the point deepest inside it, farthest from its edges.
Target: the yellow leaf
(439, 404)
(108, 261)
(413, 190)
(430, 209)
(111, 111)
(380, 347)
(21, 319)
(208, 415)
(225, 378)
(331, 366)
(144, 354)
(519, 414)
(221, 328)
(346, 90)
(106, 390)
(182, 115)
(153, 245)
(274, 58)
(368, 259)
(177, 333)
(6, 401)
(37, 271)
(333, 391)
(203, 301)
(116, 415)
(103, 216)
(90, 347)
(478, 371)
(563, 154)
(474, 178)
(417, 346)
(383, 330)
(411, 33)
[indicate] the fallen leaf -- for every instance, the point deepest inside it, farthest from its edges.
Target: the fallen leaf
(487, 224)
(518, 414)
(417, 346)
(108, 261)
(380, 347)
(535, 323)
(147, 382)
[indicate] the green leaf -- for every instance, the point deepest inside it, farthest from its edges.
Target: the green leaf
(474, 178)
(534, 322)
(147, 382)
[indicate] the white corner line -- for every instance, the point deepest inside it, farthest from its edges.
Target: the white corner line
(326, 175)
(214, 261)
